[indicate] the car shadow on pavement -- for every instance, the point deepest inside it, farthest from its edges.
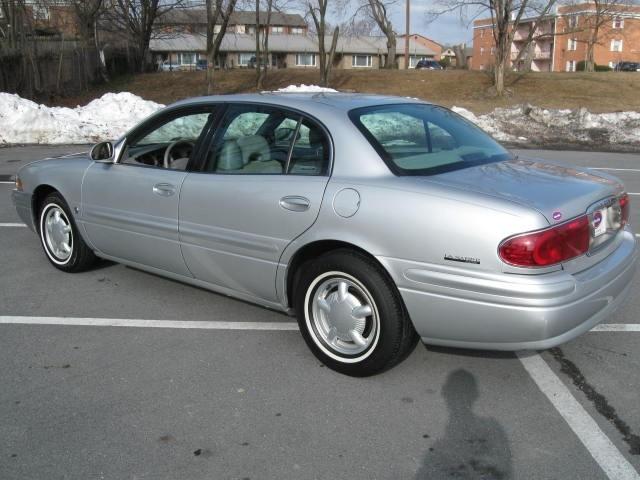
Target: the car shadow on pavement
(473, 447)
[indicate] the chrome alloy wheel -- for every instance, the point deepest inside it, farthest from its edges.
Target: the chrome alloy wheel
(342, 317)
(56, 232)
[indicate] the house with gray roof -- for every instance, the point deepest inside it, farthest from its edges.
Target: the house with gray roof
(285, 50)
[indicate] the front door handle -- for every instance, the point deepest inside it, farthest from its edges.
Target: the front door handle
(295, 203)
(164, 189)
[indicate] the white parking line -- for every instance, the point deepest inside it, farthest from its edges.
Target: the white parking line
(122, 322)
(612, 462)
(616, 169)
(634, 194)
(617, 327)
(12, 225)
(8, 183)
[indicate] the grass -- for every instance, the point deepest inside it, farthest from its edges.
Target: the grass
(598, 92)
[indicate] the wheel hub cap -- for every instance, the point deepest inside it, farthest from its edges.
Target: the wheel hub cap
(343, 316)
(58, 233)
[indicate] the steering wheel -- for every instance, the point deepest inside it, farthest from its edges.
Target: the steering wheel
(168, 159)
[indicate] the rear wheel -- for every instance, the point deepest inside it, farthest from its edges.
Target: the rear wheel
(351, 315)
(62, 243)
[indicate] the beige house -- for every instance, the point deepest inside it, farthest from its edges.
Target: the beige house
(285, 51)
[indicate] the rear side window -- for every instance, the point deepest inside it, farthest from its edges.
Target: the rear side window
(415, 139)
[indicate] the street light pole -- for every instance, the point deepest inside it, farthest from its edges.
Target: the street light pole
(406, 37)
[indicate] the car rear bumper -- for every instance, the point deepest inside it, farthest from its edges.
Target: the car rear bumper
(453, 307)
(22, 202)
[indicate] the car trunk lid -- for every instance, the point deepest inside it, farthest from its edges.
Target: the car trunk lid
(559, 192)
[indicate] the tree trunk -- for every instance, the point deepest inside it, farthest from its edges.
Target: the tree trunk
(391, 52)
(590, 64)
(324, 80)
(498, 78)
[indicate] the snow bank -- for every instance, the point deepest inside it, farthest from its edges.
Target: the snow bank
(108, 117)
(541, 126)
(302, 88)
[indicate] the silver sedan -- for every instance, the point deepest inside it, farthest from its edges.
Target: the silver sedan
(375, 220)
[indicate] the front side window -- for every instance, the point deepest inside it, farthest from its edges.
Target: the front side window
(572, 44)
(305, 60)
(258, 140)
(618, 22)
(425, 139)
(361, 60)
(167, 145)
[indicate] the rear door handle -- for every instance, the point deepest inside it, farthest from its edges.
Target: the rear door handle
(295, 203)
(164, 189)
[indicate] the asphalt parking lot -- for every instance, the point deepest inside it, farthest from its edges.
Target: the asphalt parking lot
(163, 401)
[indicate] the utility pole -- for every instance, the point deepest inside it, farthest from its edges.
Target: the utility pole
(406, 36)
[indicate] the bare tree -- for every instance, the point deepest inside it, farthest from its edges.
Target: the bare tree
(358, 27)
(378, 10)
(461, 55)
(317, 9)
(87, 13)
(137, 18)
(601, 13)
(506, 18)
(218, 13)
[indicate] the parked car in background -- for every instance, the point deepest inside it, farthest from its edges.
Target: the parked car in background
(375, 220)
(628, 67)
(167, 66)
(202, 64)
(426, 64)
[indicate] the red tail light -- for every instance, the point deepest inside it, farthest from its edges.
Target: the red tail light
(548, 247)
(624, 209)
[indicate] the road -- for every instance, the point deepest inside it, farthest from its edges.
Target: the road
(101, 402)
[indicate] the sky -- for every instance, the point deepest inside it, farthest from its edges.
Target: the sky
(446, 29)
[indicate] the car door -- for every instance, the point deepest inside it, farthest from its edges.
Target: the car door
(260, 185)
(130, 208)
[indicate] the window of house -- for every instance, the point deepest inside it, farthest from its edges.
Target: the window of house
(297, 31)
(217, 28)
(481, 67)
(616, 45)
(361, 60)
(572, 21)
(245, 58)
(481, 32)
(493, 50)
(612, 65)
(278, 29)
(481, 50)
(187, 58)
(618, 22)
(572, 44)
(240, 29)
(571, 65)
(305, 59)
(251, 30)
(40, 12)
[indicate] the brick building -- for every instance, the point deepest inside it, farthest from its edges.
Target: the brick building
(560, 39)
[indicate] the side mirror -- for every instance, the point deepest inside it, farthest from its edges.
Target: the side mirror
(101, 151)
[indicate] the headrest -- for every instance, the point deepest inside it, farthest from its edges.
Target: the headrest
(254, 147)
(316, 137)
(230, 156)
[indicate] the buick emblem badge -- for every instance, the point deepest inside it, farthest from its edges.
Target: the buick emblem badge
(597, 219)
(557, 216)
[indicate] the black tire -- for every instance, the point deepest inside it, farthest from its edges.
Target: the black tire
(80, 257)
(390, 339)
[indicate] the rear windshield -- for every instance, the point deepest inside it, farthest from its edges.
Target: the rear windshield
(418, 139)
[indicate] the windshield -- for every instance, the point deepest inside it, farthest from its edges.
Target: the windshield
(418, 139)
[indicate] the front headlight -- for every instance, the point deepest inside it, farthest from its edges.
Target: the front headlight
(18, 183)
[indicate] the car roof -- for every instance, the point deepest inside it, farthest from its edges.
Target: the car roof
(305, 100)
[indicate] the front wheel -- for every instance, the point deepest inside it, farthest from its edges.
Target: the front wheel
(60, 238)
(351, 314)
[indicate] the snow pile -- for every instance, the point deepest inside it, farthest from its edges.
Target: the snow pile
(302, 88)
(557, 127)
(106, 118)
